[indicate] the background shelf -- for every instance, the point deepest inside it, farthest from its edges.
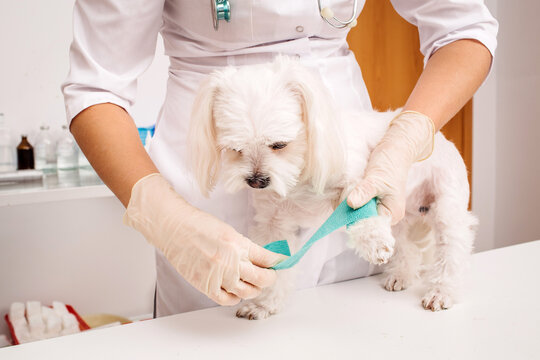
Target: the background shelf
(65, 185)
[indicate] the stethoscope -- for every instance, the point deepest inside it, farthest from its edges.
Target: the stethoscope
(221, 10)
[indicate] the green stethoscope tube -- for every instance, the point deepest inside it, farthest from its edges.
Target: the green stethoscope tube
(221, 10)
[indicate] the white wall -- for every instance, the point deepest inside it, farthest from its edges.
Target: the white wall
(483, 161)
(78, 252)
(34, 61)
(74, 251)
(506, 165)
(517, 209)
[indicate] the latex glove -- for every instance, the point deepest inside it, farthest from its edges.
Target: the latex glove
(409, 138)
(208, 253)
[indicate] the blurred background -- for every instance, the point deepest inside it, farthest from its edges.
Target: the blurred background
(66, 240)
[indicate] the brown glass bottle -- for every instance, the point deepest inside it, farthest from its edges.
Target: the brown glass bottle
(25, 155)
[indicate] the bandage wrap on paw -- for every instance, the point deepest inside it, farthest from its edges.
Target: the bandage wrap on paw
(344, 215)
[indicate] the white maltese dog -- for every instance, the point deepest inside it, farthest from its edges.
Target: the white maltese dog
(273, 128)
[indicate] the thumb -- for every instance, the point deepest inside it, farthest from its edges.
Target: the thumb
(392, 206)
(361, 194)
(263, 257)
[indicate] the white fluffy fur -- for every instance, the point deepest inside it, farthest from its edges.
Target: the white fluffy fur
(239, 113)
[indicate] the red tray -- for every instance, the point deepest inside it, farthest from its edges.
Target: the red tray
(82, 325)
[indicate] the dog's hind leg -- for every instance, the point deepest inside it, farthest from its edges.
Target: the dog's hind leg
(454, 230)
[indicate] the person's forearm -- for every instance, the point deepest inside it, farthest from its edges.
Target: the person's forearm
(451, 77)
(108, 137)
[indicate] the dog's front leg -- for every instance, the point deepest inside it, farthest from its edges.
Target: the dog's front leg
(271, 299)
(372, 239)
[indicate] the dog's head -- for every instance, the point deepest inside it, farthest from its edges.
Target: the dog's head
(264, 126)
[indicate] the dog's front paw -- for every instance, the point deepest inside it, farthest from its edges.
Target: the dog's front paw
(372, 239)
(253, 311)
(437, 299)
(396, 282)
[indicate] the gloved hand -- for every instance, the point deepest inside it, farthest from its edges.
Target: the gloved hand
(208, 253)
(409, 138)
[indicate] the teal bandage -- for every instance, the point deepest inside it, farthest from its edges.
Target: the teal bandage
(342, 216)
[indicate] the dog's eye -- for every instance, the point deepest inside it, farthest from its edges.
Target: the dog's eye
(278, 145)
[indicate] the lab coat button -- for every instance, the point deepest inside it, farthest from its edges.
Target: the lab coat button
(300, 28)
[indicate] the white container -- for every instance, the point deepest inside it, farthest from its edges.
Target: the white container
(67, 154)
(45, 151)
(7, 148)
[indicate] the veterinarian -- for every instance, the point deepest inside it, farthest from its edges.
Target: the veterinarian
(202, 256)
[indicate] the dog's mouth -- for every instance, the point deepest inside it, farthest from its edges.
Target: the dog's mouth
(258, 181)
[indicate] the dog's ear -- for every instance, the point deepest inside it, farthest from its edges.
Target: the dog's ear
(204, 154)
(325, 155)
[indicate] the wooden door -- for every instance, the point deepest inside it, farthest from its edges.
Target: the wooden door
(387, 49)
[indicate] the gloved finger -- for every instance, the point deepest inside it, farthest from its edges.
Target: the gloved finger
(262, 257)
(361, 194)
(392, 206)
(225, 298)
(243, 290)
(382, 210)
(257, 276)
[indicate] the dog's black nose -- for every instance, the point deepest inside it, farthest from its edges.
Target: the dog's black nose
(258, 181)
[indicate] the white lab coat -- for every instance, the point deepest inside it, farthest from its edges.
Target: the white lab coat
(114, 42)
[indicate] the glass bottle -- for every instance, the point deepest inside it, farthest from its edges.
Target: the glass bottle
(87, 175)
(25, 154)
(83, 161)
(45, 151)
(7, 148)
(66, 151)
